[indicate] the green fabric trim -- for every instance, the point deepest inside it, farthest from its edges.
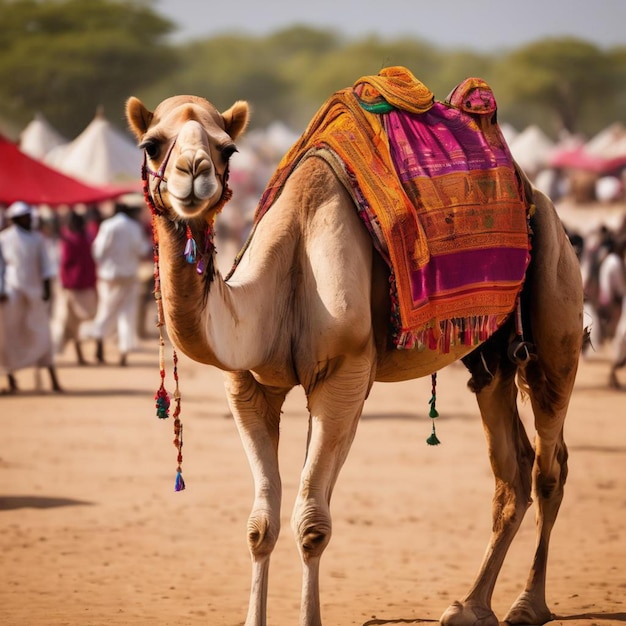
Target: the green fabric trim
(378, 107)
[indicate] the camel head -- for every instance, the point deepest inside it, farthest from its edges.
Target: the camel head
(187, 144)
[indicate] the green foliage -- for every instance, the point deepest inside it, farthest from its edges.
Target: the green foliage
(556, 84)
(66, 58)
(569, 80)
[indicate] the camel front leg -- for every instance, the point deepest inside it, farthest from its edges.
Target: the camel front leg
(511, 457)
(256, 411)
(335, 408)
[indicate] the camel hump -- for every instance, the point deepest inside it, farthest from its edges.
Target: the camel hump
(473, 96)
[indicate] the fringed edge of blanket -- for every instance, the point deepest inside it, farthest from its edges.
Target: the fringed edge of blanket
(444, 334)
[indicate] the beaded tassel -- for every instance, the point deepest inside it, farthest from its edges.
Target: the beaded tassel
(208, 246)
(433, 413)
(161, 397)
(179, 485)
(191, 249)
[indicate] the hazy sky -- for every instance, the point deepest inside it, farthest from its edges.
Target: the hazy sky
(483, 25)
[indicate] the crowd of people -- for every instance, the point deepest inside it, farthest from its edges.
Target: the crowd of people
(80, 282)
(602, 256)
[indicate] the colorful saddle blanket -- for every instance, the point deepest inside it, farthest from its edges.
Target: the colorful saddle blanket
(436, 186)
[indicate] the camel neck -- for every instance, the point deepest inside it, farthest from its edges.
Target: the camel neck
(186, 268)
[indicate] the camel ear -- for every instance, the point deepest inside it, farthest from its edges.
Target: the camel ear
(138, 117)
(236, 118)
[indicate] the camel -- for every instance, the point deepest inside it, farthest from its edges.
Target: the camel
(308, 304)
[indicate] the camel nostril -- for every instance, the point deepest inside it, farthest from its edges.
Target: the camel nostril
(202, 167)
(185, 162)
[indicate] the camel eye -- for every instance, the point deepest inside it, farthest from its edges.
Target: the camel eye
(151, 148)
(228, 150)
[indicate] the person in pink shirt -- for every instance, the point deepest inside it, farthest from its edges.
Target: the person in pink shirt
(77, 299)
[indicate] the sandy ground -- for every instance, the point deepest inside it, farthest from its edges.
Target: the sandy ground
(92, 532)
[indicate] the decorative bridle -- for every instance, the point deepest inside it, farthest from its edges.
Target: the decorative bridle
(162, 397)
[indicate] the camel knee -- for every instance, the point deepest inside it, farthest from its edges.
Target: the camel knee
(549, 482)
(510, 504)
(314, 540)
(312, 532)
(262, 534)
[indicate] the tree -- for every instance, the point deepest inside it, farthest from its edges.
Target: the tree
(567, 79)
(67, 58)
(270, 72)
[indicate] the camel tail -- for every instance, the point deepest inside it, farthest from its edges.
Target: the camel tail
(522, 384)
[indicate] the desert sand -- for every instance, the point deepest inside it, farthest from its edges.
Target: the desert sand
(93, 533)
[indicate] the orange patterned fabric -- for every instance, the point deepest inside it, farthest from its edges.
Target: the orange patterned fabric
(437, 188)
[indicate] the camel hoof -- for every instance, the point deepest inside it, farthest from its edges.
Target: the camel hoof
(468, 614)
(524, 611)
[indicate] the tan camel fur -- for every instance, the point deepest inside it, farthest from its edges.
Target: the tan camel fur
(308, 304)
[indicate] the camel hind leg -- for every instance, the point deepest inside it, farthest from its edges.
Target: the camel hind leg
(555, 302)
(511, 456)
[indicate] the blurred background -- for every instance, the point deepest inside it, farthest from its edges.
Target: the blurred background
(558, 70)
(93, 532)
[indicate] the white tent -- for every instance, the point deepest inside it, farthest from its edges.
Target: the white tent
(39, 137)
(532, 149)
(100, 155)
(509, 131)
(609, 143)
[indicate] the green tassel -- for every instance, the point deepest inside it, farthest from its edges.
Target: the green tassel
(162, 403)
(433, 413)
(432, 440)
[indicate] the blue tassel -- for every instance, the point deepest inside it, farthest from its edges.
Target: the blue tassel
(180, 483)
(191, 251)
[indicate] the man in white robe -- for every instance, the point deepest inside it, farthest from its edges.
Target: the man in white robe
(118, 250)
(25, 290)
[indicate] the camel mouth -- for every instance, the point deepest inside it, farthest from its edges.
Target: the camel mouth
(190, 189)
(192, 205)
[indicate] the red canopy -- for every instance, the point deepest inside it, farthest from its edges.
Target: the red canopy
(579, 159)
(29, 180)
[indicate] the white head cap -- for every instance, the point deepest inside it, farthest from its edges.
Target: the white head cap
(19, 208)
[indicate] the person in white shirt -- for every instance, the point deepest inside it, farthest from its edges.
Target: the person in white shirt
(118, 249)
(25, 290)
